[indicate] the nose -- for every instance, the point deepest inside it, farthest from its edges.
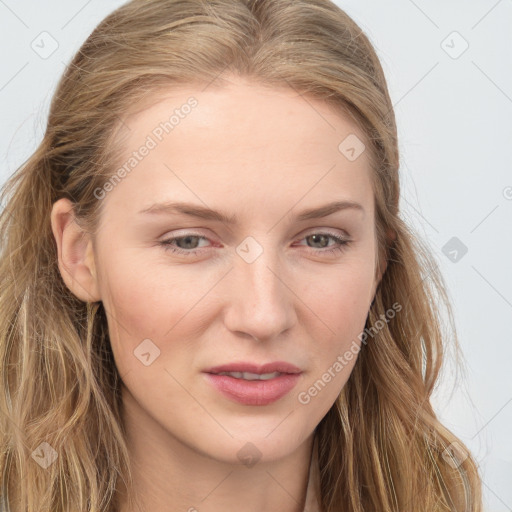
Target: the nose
(261, 303)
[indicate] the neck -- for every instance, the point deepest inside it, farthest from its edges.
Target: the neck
(171, 475)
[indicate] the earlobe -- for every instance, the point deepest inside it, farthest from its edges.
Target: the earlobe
(74, 251)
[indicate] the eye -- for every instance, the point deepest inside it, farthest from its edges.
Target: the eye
(340, 243)
(188, 240)
(188, 244)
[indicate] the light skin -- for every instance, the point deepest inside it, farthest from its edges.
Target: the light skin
(264, 155)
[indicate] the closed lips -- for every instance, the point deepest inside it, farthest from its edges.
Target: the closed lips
(251, 376)
(248, 370)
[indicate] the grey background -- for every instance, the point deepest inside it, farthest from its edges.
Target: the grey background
(454, 110)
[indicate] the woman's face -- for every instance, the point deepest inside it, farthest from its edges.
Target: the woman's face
(265, 283)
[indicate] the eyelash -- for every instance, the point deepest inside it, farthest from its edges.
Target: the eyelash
(342, 244)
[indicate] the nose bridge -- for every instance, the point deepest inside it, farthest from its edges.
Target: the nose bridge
(262, 304)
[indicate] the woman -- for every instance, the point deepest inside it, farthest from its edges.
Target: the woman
(208, 297)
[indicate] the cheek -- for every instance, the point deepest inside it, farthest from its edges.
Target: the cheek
(348, 307)
(342, 305)
(341, 295)
(345, 314)
(143, 304)
(168, 305)
(146, 298)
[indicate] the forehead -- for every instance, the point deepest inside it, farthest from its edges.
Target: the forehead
(240, 103)
(240, 140)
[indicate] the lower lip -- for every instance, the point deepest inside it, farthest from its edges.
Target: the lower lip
(254, 392)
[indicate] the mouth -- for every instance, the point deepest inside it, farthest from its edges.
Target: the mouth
(250, 371)
(251, 384)
(251, 376)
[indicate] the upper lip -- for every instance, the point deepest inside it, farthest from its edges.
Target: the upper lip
(241, 366)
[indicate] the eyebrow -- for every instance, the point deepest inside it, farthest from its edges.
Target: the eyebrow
(202, 212)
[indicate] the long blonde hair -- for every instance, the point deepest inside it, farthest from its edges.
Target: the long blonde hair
(381, 447)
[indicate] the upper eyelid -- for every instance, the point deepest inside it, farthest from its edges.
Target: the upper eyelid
(192, 232)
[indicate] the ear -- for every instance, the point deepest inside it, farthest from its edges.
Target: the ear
(75, 252)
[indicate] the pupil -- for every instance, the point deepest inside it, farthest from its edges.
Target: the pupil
(187, 241)
(315, 237)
